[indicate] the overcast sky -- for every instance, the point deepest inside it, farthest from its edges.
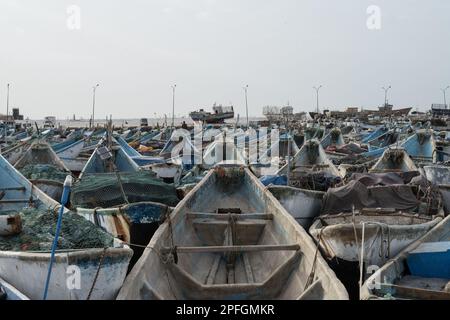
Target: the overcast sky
(137, 49)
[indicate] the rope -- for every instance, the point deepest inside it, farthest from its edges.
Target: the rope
(121, 186)
(361, 262)
(310, 279)
(97, 273)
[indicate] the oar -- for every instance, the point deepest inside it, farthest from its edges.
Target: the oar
(64, 200)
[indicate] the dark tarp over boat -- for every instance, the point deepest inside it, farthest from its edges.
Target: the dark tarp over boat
(356, 194)
(384, 179)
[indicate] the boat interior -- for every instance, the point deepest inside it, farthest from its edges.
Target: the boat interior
(223, 244)
(39, 153)
(398, 281)
(394, 160)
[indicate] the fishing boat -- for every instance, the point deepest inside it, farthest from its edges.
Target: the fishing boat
(220, 150)
(219, 115)
(311, 158)
(304, 205)
(231, 239)
(14, 153)
(368, 224)
(43, 168)
(115, 194)
(333, 139)
(394, 159)
(8, 292)
(440, 176)
(421, 146)
(421, 271)
(102, 268)
(70, 154)
(270, 161)
(311, 168)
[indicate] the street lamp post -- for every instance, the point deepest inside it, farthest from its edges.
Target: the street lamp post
(385, 94)
(445, 100)
(7, 110)
(173, 106)
(94, 88)
(246, 104)
(317, 97)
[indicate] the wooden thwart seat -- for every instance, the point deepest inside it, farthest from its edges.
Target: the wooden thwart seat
(246, 248)
(226, 216)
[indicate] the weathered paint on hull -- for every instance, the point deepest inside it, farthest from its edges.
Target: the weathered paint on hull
(303, 205)
(382, 238)
(28, 271)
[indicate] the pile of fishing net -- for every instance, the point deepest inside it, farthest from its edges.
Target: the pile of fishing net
(43, 172)
(38, 232)
(319, 181)
(103, 190)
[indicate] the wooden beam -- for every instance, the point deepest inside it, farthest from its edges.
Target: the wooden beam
(15, 200)
(219, 216)
(416, 293)
(248, 248)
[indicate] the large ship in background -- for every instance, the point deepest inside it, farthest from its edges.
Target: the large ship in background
(219, 114)
(386, 110)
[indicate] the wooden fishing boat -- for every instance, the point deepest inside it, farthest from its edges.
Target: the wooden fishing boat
(70, 154)
(394, 159)
(304, 205)
(14, 153)
(270, 161)
(43, 168)
(370, 225)
(231, 239)
(101, 269)
(116, 195)
(421, 271)
(220, 150)
(311, 158)
(165, 169)
(333, 138)
(440, 176)
(421, 146)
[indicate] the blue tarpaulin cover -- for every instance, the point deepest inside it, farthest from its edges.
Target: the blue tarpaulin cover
(279, 180)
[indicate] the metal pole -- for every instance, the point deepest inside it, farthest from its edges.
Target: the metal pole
(289, 158)
(173, 106)
(246, 104)
(93, 105)
(317, 96)
(385, 94)
(7, 110)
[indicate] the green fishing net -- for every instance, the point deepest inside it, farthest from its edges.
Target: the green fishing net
(103, 190)
(38, 231)
(43, 171)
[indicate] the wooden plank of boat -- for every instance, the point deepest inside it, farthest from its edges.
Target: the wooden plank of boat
(414, 293)
(203, 215)
(248, 248)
